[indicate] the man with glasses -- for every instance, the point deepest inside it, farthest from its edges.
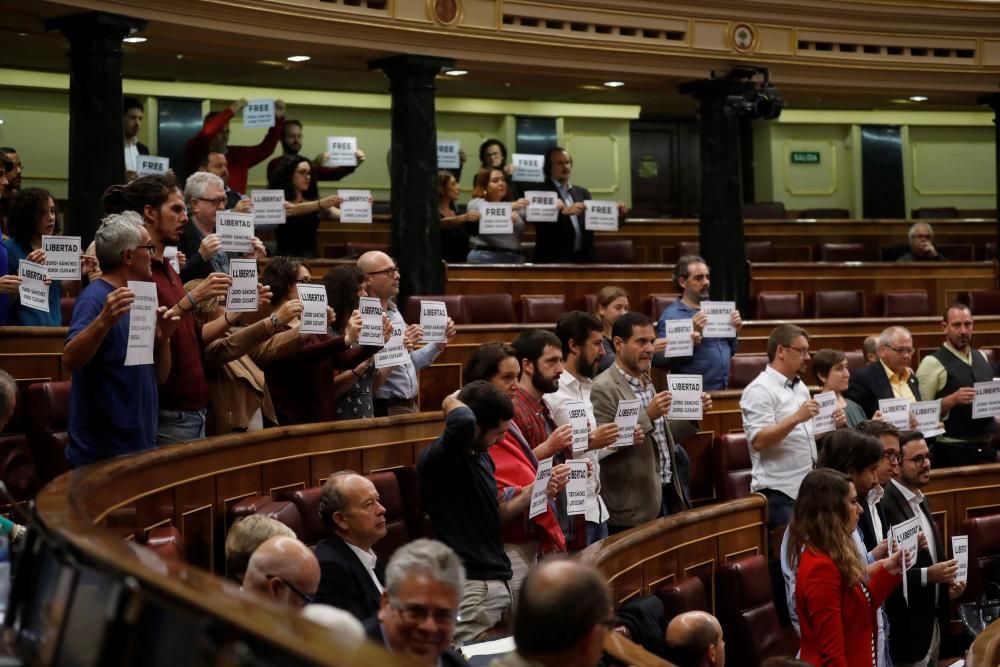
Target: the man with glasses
(917, 624)
(891, 377)
(419, 607)
(398, 394)
(285, 570)
(872, 522)
(921, 238)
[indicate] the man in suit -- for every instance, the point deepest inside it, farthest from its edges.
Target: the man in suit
(917, 625)
(640, 482)
(695, 640)
(891, 377)
(418, 609)
(566, 239)
(872, 522)
(131, 122)
(351, 577)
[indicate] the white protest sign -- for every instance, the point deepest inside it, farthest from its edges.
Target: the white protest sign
(235, 230)
(539, 500)
(356, 205)
(528, 167)
(823, 421)
(394, 353)
(627, 417)
(313, 299)
(142, 323)
(928, 416)
(960, 552)
(434, 321)
(258, 113)
(268, 207)
(341, 152)
(542, 206)
(576, 488)
(580, 425)
(719, 314)
(679, 343)
(242, 295)
(371, 322)
(355, 195)
(151, 165)
(685, 396)
(907, 536)
(33, 291)
(896, 411)
(987, 400)
(601, 216)
(448, 157)
(170, 254)
(62, 257)
(496, 218)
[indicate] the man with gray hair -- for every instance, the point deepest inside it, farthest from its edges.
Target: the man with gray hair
(113, 407)
(284, 570)
(890, 377)
(921, 239)
(419, 608)
(205, 196)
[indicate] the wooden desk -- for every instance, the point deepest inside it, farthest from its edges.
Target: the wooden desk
(985, 650)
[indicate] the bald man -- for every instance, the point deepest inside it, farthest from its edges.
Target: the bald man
(285, 570)
(8, 398)
(695, 640)
(398, 394)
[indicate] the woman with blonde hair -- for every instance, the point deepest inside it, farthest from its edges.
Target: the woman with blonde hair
(612, 303)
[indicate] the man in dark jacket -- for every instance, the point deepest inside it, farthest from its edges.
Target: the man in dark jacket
(890, 377)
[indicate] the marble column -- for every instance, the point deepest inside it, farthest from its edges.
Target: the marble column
(993, 102)
(96, 156)
(416, 239)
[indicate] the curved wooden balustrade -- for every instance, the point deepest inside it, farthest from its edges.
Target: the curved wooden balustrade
(985, 650)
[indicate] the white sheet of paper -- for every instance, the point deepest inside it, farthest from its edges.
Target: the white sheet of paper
(242, 294)
(448, 157)
(496, 218)
(627, 416)
(679, 343)
(987, 400)
(268, 207)
(356, 211)
(577, 411)
(823, 421)
(907, 536)
(434, 321)
(62, 257)
(151, 165)
(371, 321)
(235, 230)
(576, 488)
(718, 314)
(33, 291)
(539, 501)
(342, 152)
(258, 113)
(896, 411)
(142, 323)
(928, 416)
(394, 353)
(313, 299)
(960, 552)
(170, 254)
(600, 215)
(542, 206)
(528, 168)
(685, 396)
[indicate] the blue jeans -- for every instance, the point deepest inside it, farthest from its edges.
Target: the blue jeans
(495, 257)
(177, 426)
(596, 531)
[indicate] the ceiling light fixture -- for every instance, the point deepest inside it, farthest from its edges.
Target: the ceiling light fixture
(918, 98)
(298, 59)
(614, 84)
(456, 72)
(134, 40)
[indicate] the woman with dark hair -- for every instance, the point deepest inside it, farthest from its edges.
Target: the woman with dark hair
(612, 303)
(454, 226)
(837, 599)
(491, 188)
(830, 369)
(32, 214)
(304, 208)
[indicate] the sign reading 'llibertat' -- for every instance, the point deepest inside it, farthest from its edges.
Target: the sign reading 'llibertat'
(987, 400)
(151, 165)
(496, 218)
(600, 216)
(235, 230)
(62, 257)
(685, 396)
(542, 206)
(258, 113)
(33, 291)
(341, 151)
(928, 416)
(242, 294)
(719, 314)
(896, 411)
(528, 167)
(823, 422)
(313, 299)
(448, 155)
(268, 207)
(355, 205)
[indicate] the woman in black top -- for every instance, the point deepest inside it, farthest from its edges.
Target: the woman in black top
(454, 227)
(304, 208)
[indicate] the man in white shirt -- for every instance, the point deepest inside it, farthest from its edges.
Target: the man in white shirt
(131, 122)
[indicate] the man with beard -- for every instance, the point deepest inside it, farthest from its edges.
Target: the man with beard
(291, 144)
(711, 356)
(949, 374)
(641, 482)
(458, 489)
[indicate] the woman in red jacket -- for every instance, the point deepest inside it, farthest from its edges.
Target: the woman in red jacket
(835, 596)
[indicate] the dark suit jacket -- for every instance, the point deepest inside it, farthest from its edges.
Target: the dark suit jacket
(868, 528)
(142, 148)
(373, 629)
(188, 243)
(911, 625)
(554, 240)
(870, 383)
(344, 582)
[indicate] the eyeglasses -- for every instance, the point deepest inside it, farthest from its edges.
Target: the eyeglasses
(905, 351)
(415, 613)
(304, 280)
(391, 271)
(218, 201)
(151, 248)
(308, 599)
(892, 458)
(920, 459)
(804, 351)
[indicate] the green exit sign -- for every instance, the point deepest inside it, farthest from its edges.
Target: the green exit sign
(805, 157)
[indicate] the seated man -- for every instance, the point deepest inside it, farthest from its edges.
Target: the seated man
(695, 640)
(245, 536)
(351, 578)
(921, 238)
(417, 614)
(285, 570)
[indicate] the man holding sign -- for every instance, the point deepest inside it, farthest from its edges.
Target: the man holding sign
(891, 377)
(567, 239)
(291, 145)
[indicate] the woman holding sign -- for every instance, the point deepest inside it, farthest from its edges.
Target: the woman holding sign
(303, 207)
(837, 599)
(498, 235)
(32, 215)
(830, 369)
(454, 226)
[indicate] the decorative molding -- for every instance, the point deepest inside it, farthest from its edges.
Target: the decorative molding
(786, 165)
(934, 192)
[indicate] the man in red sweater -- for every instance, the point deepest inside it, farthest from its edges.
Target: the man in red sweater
(214, 137)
